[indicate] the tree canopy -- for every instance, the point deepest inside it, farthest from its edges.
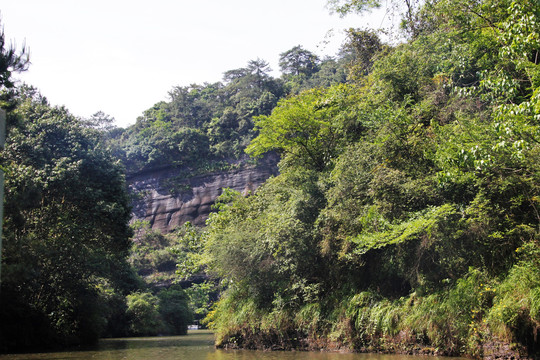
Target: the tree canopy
(207, 125)
(66, 227)
(405, 215)
(407, 200)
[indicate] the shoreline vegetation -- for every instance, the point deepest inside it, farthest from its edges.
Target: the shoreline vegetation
(401, 344)
(385, 328)
(405, 217)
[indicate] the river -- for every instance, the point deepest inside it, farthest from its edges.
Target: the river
(197, 345)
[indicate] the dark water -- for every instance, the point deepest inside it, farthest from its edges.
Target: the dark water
(197, 345)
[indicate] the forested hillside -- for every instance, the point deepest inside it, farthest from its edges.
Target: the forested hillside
(405, 216)
(65, 275)
(406, 213)
(181, 153)
(73, 269)
(207, 127)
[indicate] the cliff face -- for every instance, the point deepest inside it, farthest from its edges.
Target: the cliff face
(168, 198)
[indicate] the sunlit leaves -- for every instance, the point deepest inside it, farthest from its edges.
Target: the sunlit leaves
(310, 127)
(264, 244)
(421, 225)
(425, 174)
(297, 61)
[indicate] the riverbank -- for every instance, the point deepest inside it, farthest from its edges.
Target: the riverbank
(478, 317)
(402, 344)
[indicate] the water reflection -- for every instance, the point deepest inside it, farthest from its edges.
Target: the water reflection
(198, 345)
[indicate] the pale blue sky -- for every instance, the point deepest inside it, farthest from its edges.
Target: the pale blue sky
(122, 56)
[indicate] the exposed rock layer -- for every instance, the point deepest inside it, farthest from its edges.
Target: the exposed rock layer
(167, 198)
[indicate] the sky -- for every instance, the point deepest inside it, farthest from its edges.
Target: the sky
(123, 56)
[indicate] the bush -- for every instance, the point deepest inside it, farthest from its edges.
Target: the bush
(143, 314)
(174, 310)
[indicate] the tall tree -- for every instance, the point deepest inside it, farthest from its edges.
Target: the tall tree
(11, 60)
(307, 128)
(298, 61)
(66, 228)
(361, 46)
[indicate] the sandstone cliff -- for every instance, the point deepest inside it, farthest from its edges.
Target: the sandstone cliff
(167, 198)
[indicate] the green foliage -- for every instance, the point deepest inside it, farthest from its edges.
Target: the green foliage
(201, 124)
(412, 193)
(423, 225)
(200, 298)
(188, 249)
(406, 211)
(150, 250)
(174, 258)
(344, 7)
(309, 128)
(264, 243)
(298, 61)
(209, 123)
(233, 313)
(362, 46)
(161, 145)
(166, 258)
(174, 310)
(142, 310)
(164, 313)
(65, 231)
(515, 313)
